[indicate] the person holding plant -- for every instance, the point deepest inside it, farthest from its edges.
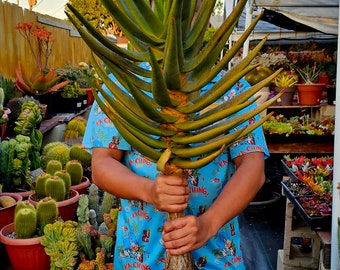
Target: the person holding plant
(211, 196)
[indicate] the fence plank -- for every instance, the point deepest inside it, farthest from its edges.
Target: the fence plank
(67, 49)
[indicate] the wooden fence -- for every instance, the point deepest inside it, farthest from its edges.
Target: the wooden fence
(68, 47)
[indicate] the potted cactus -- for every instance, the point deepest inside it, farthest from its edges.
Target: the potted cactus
(180, 67)
(22, 237)
(56, 186)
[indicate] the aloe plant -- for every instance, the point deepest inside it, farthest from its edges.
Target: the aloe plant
(167, 126)
(39, 82)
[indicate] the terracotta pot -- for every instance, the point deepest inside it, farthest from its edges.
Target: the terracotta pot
(67, 208)
(7, 213)
(26, 254)
(310, 94)
(82, 187)
(287, 98)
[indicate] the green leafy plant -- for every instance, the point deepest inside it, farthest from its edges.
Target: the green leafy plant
(165, 126)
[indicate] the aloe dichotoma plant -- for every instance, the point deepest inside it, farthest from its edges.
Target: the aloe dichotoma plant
(168, 127)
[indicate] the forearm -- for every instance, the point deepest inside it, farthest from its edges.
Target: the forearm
(238, 193)
(109, 174)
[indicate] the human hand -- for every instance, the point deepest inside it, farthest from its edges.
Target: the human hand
(170, 193)
(185, 234)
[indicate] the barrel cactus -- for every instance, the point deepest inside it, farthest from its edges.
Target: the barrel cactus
(29, 221)
(75, 169)
(55, 188)
(168, 35)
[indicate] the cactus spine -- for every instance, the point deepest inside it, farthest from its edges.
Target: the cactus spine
(55, 188)
(75, 169)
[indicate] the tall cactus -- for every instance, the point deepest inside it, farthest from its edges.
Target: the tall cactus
(163, 126)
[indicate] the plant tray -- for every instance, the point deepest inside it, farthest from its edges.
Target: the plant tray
(293, 177)
(294, 190)
(315, 222)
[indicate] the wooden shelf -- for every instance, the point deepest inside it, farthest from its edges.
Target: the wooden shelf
(301, 148)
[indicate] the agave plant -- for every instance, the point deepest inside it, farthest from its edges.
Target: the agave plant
(167, 126)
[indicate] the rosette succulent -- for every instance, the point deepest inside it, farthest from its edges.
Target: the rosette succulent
(169, 127)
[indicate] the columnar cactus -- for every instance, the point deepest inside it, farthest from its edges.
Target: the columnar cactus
(41, 183)
(75, 169)
(25, 222)
(29, 221)
(163, 126)
(52, 166)
(55, 188)
(47, 211)
(66, 177)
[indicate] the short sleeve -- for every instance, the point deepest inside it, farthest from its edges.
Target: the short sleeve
(100, 131)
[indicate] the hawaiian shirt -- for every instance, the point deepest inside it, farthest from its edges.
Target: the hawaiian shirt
(138, 235)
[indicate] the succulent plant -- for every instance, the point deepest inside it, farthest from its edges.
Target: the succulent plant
(61, 244)
(163, 126)
(39, 82)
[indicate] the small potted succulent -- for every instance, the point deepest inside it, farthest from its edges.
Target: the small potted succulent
(286, 80)
(309, 89)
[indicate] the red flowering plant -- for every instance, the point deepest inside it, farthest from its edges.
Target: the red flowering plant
(316, 173)
(41, 80)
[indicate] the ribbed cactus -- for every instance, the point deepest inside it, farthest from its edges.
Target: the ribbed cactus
(47, 212)
(55, 188)
(52, 166)
(163, 126)
(57, 151)
(66, 177)
(75, 169)
(81, 154)
(23, 204)
(25, 222)
(41, 183)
